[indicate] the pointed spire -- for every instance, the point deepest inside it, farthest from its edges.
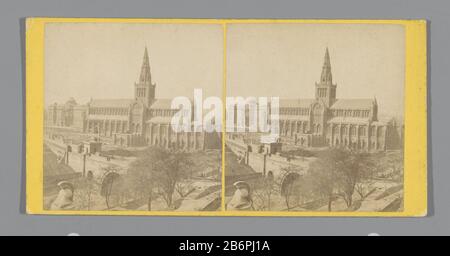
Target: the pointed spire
(145, 76)
(326, 77)
(326, 61)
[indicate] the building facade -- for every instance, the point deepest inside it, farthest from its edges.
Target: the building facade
(67, 115)
(328, 121)
(146, 120)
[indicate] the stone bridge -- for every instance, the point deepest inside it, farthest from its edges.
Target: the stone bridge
(282, 169)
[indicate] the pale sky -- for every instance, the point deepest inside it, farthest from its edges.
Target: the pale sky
(286, 60)
(103, 60)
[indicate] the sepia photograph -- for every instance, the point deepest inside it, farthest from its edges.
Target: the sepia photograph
(108, 138)
(194, 119)
(225, 117)
(338, 144)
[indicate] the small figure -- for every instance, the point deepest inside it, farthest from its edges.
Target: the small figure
(241, 200)
(64, 200)
(90, 175)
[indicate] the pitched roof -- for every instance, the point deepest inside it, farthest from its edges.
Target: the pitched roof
(294, 117)
(111, 103)
(346, 119)
(296, 103)
(160, 120)
(353, 104)
(161, 104)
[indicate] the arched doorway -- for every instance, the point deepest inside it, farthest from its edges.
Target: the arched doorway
(290, 189)
(111, 188)
(287, 182)
(138, 128)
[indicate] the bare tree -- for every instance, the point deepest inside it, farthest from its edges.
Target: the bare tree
(339, 172)
(176, 168)
(262, 196)
(159, 171)
(364, 189)
(182, 188)
(83, 194)
(357, 169)
(324, 174)
(140, 180)
(269, 188)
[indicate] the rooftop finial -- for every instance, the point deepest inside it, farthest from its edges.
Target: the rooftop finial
(145, 69)
(326, 77)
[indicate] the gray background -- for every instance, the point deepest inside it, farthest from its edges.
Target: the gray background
(14, 222)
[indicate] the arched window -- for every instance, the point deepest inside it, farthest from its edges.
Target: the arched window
(353, 130)
(373, 130)
(287, 127)
(138, 127)
(380, 132)
(362, 131)
(317, 112)
(336, 129)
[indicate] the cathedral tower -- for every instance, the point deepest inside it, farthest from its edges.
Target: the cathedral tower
(144, 90)
(325, 89)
